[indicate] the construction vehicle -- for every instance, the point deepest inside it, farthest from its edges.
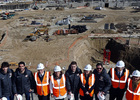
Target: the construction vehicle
(13, 64)
(6, 16)
(36, 34)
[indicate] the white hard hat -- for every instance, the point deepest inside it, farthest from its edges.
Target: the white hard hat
(88, 67)
(40, 66)
(19, 97)
(4, 98)
(120, 64)
(57, 68)
(136, 73)
(100, 96)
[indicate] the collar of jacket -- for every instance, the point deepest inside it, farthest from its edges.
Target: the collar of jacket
(8, 71)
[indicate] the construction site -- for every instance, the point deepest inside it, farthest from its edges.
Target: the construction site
(43, 35)
(56, 35)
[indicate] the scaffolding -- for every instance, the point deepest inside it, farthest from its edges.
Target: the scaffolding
(106, 58)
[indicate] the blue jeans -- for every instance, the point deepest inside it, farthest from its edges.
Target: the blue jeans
(27, 95)
(10, 97)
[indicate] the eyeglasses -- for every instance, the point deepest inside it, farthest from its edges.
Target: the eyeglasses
(99, 68)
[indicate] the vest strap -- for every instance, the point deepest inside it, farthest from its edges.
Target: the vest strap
(119, 81)
(59, 87)
(137, 93)
(47, 76)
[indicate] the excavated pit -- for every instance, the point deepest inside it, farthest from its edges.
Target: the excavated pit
(130, 55)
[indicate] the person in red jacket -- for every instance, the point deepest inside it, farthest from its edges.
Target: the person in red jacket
(133, 89)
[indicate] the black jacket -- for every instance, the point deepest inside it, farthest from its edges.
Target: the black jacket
(102, 81)
(24, 82)
(7, 86)
(73, 80)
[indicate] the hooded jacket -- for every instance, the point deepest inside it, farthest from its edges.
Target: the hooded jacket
(73, 80)
(7, 86)
(102, 81)
(24, 82)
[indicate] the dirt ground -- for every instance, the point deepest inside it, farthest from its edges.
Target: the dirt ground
(60, 50)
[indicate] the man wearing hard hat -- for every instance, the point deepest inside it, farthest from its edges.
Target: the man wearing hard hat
(133, 90)
(42, 82)
(58, 84)
(87, 83)
(119, 76)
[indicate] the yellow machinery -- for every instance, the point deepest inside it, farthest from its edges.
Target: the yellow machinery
(39, 32)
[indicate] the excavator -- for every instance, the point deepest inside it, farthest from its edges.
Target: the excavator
(36, 34)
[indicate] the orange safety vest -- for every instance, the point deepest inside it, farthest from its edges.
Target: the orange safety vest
(116, 82)
(59, 89)
(91, 82)
(132, 94)
(42, 87)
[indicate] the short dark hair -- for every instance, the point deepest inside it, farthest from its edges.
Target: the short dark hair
(99, 64)
(4, 64)
(73, 63)
(21, 63)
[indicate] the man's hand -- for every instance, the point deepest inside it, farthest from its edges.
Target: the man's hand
(102, 92)
(52, 95)
(87, 93)
(30, 90)
(15, 94)
(69, 93)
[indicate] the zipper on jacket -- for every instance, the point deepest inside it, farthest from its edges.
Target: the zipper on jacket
(41, 87)
(9, 85)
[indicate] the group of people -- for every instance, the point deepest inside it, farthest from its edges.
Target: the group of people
(73, 84)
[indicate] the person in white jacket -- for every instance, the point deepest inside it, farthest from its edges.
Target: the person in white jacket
(58, 84)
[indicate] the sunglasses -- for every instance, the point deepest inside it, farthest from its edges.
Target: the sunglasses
(99, 68)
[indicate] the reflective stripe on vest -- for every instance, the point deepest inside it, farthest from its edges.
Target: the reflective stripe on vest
(120, 81)
(61, 86)
(137, 93)
(92, 79)
(47, 83)
(91, 82)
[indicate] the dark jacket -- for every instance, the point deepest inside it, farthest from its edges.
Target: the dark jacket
(24, 82)
(73, 80)
(119, 78)
(102, 81)
(7, 86)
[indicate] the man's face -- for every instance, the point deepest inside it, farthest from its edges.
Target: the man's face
(86, 72)
(21, 67)
(57, 74)
(119, 68)
(99, 69)
(5, 69)
(136, 79)
(41, 71)
(73, 67)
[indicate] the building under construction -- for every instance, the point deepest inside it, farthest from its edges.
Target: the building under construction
(24, 4)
